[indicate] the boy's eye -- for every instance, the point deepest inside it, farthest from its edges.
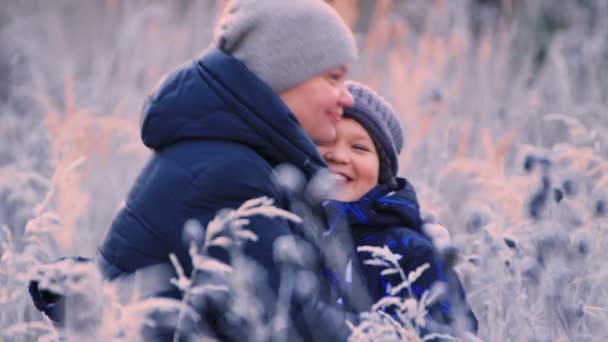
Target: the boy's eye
(361, 148)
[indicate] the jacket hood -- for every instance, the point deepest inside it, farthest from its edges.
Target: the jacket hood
(217, 98)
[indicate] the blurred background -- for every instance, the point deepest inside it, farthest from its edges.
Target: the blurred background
(485, 88)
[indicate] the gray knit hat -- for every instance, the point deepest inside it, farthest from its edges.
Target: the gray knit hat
(285, 42)
(379, 119)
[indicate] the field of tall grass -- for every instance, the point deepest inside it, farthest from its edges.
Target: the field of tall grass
(505, 105)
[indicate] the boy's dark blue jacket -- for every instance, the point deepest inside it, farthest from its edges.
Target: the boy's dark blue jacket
(385, 217)
(217, 132)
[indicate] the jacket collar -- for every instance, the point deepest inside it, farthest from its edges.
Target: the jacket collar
(380, 208)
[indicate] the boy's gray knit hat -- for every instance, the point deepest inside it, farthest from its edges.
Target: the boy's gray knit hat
(285, 42)
(380, 121)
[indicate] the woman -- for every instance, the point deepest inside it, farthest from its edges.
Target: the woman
(375, 207)
(271, 83)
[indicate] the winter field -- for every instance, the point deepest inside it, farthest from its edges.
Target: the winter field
(505, 105)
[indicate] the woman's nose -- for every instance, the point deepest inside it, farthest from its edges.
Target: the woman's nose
(346, 98)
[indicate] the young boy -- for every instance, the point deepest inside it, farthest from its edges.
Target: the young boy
(375, 207)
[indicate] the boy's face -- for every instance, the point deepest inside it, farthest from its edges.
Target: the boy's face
(318, 103)
(352, 156)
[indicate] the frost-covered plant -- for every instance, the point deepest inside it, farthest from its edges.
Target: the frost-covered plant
(549, 253)
(212, 278)
(14, 273)
(21, 261)
(97, 310)
(396, 318)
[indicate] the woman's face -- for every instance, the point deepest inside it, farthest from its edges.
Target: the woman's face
(318, 103)
(352, 156)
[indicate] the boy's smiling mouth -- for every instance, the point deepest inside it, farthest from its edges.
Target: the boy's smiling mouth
(342, 177)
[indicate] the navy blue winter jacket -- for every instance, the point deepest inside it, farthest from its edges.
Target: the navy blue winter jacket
(217, 132)
(385, 217)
